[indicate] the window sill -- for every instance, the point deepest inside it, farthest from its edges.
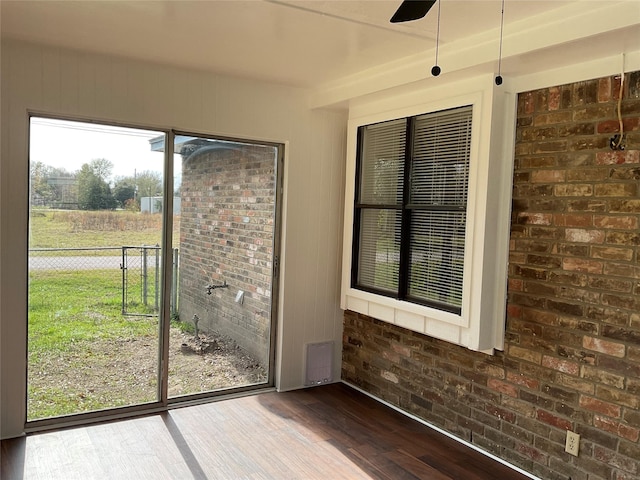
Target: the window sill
(427, 321)
(417, 318)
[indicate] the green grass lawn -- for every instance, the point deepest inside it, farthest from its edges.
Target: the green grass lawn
(66, 307)
(83, 354)
(76, 331)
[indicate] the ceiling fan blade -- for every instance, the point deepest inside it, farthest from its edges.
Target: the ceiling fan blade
(412, 10)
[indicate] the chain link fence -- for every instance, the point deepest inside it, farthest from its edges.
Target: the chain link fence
(134, 272)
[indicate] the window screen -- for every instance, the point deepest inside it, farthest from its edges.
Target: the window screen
(410, 209)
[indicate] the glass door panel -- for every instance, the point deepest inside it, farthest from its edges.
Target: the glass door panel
(94, 278)
(225, 220)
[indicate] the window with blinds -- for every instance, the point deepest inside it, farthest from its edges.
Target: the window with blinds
(410, 208)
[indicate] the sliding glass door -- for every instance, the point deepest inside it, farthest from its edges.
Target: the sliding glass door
(225, 219)
(133, 266)
(94, 244)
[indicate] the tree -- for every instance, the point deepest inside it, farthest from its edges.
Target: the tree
(149, 183)
(94, 192)
(124, 191)
(101, 168)
(41, 191)
(47, 187)
(146, 184)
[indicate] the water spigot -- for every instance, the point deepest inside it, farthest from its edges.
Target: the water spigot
(209, 288)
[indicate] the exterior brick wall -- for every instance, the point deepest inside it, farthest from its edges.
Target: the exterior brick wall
(572, 350)
(227, 234)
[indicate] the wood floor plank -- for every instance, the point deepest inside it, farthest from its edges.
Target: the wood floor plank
(327, 432)
(414, 466)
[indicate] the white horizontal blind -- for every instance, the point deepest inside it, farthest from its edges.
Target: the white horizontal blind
(422, 229)
(439, 181)
(382, 164)
(440, 165)
(379, 249)
(381, 185)
(437, 257)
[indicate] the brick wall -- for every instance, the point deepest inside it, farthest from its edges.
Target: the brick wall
(572, 353)
(227, 234)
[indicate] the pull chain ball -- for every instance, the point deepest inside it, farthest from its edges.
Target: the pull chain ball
(499, 80)
(435, 71)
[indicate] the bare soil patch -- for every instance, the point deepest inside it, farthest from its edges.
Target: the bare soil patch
(209, 362)
(105, 373)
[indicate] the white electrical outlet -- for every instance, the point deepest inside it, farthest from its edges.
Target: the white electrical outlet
(573, 443)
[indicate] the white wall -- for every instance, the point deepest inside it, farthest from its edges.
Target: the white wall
(55, 81)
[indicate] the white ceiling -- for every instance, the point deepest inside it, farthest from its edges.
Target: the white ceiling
(303, 43)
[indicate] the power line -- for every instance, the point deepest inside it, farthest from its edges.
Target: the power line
(96, 128)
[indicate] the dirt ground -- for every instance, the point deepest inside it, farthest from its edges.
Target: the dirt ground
(107, 374)
(209, 362)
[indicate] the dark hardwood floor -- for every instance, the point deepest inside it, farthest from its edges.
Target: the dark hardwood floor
(328, 432)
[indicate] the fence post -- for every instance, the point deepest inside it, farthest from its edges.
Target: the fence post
(174, 284)
(157, 279)
(124, 280)
(145, 299)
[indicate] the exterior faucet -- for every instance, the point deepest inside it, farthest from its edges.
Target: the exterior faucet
(209, 288)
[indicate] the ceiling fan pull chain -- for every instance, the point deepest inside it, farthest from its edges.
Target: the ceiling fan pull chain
(435, 71)
(499, 76)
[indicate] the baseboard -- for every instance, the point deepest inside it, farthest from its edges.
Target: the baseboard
(444, 432)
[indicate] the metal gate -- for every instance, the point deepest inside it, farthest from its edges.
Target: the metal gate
(141, 280)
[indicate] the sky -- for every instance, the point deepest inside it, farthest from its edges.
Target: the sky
(66, 144)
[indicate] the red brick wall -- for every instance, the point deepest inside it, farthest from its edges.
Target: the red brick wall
(572, 353)
(227, 234)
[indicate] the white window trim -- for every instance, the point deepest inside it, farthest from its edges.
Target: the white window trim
(480, 324)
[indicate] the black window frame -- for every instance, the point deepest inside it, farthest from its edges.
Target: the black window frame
(406, 209)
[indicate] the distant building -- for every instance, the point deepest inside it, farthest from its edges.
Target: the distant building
(67, 190)
(62, 193)
(154, 205)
